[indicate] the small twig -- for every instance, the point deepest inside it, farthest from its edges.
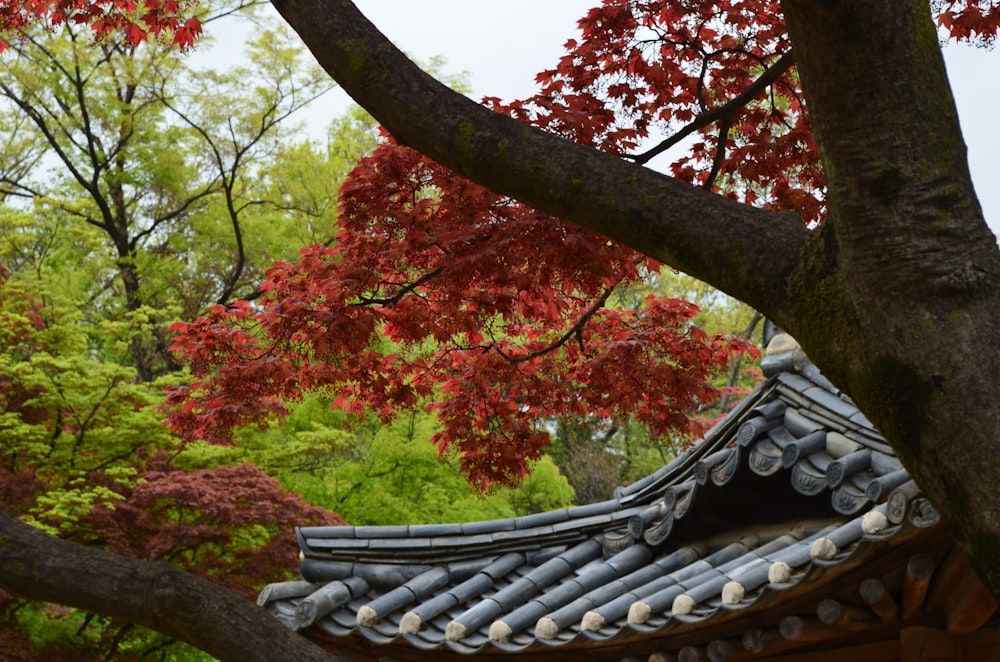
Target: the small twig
(403, 291)
(720, 153)
(576, 329)
(738, 363)
(773, 73)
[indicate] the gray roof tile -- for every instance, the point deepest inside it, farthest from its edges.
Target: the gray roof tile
(435, 530)
(798, 424)
(880, 487)
(798, 449)
(848, 465)
(848, 499)
(416, 589)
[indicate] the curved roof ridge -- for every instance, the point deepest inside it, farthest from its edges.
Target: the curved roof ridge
(793, 483)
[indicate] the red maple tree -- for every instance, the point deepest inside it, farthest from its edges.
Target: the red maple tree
(500, 316)
(136, 21)
(439, 289)
(229, 524)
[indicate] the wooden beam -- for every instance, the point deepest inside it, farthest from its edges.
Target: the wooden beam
(832, 612)
(721, 650)
(923, 644)
(959, 594)
(915, 584)
(757, 640)
(968, 605)
(920, 644)
(692, 654)
(801, 628)
(881, 651)
(879, 600)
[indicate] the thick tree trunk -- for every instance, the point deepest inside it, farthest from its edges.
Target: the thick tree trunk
(897, 298)
(155, 595)
(894, 298)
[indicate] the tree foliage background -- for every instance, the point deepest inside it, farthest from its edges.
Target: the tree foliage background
(137, 190)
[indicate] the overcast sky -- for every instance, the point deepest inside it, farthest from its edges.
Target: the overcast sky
(502, 44)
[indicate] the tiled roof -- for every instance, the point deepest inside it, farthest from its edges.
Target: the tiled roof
(794, 489)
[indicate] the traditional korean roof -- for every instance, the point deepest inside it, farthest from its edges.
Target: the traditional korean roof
(761, 536)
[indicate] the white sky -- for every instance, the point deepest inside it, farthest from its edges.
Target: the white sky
(503, 44)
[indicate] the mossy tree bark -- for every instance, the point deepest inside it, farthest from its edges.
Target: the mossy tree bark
(895, 297)
(898, 298)
(152, 594)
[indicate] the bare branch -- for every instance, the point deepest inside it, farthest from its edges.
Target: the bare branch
(720, 154)
(773, 73)
(403, 290)
(575, 330)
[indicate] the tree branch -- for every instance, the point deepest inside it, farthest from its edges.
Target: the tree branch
(734, 371)
(720, 154)
(404, 289)
(156, 595)
(725, 111)
(575, 330)
(746, 252)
